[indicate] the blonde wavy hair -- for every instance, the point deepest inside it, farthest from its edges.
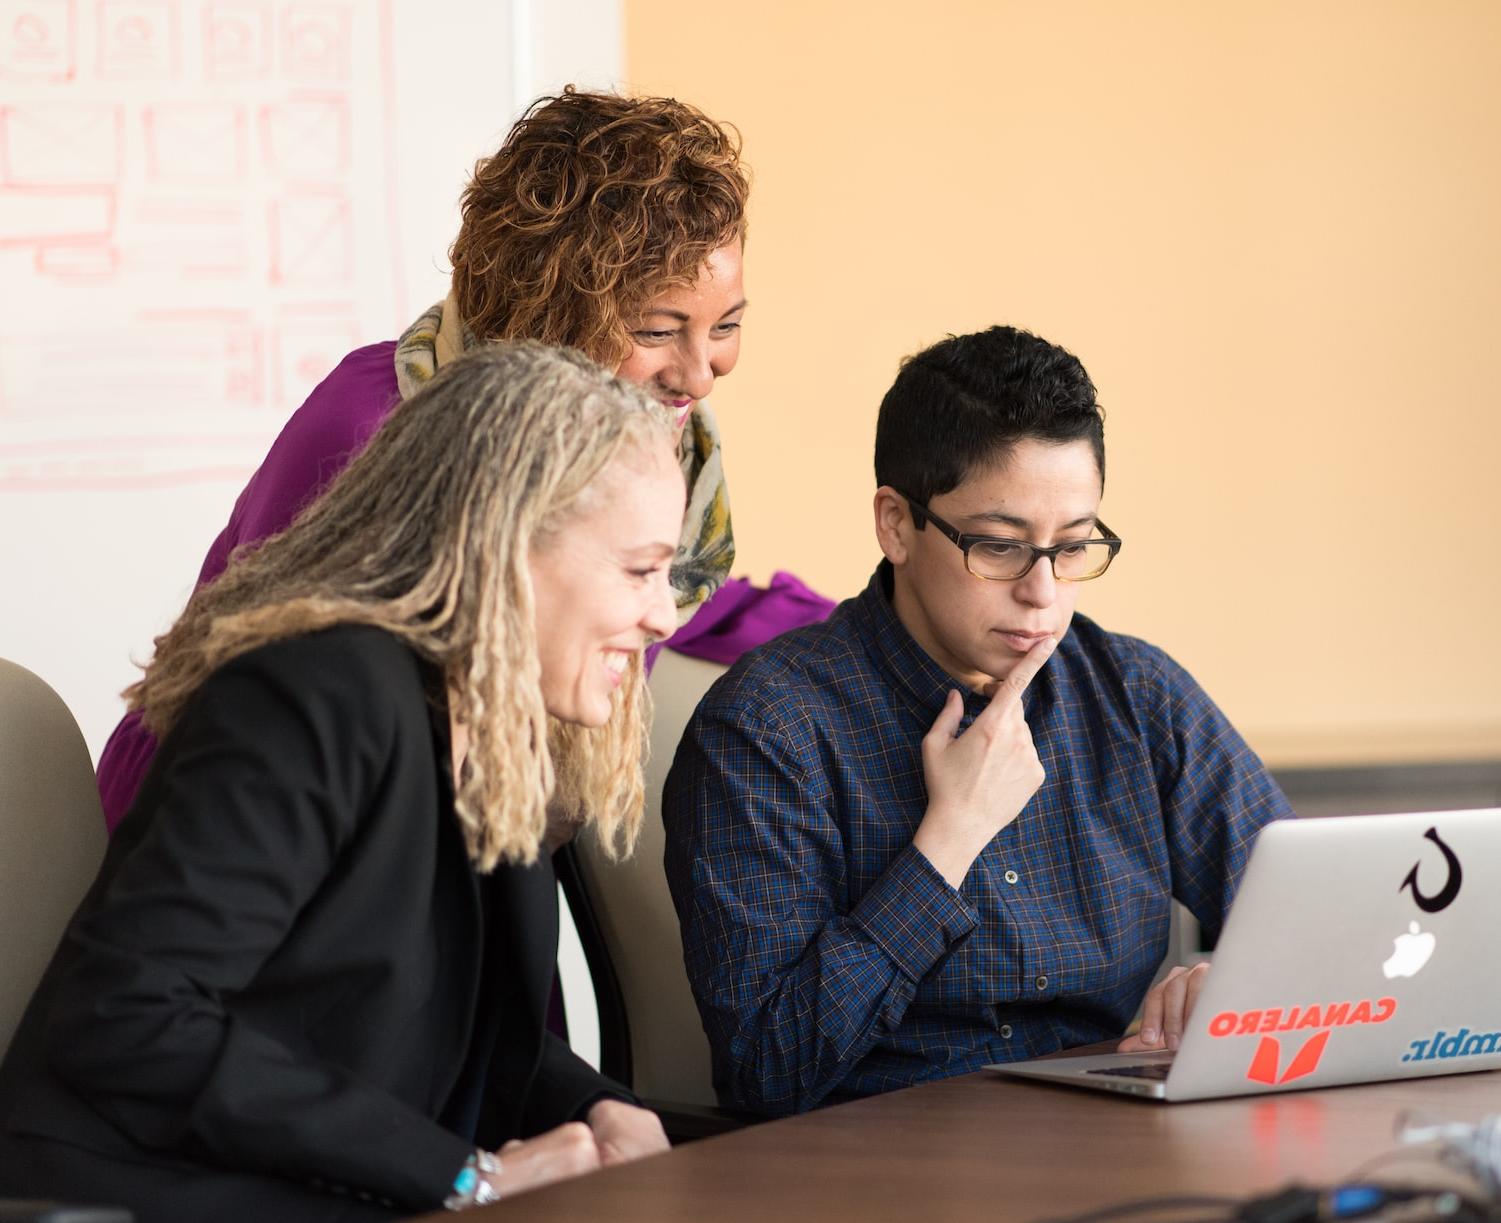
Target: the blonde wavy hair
(426, 534)
(593, 205)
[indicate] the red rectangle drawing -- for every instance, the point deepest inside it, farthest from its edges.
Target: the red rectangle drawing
(32, 215)
(196, 142)
(236, 41)
(37, 40)
(307, 139)
(47, 144)
(315, 42)
(307, 349)
(201, 369)
(138, 38)
(77, 261)
(244, 377)
(312, 241)
(194, 236)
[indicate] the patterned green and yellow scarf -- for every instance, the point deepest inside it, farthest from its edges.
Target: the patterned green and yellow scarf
(706, 550)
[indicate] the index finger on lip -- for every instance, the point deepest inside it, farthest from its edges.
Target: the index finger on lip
(1015, 683)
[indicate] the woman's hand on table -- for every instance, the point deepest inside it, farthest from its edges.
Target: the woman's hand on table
(568, 1151)
(625, 1132)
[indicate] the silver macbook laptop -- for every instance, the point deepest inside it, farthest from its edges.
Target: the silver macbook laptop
(1358, 948)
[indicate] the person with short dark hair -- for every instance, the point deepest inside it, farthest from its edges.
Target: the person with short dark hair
(945, 827)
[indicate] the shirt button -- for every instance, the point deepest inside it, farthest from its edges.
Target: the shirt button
(1005, 1031)
(1041, 983)
(1012, 876)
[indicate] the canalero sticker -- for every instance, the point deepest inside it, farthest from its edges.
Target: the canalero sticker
(1268, 1064)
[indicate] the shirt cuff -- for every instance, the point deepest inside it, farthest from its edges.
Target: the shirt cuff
(913, 915)
(581, 1113)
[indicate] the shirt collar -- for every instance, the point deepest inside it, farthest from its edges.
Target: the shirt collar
(909, 668)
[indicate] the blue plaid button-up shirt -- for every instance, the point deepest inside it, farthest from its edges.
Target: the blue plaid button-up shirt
(831, 960)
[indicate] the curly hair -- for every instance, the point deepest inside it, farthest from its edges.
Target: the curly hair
(426, 534)
(592, 206)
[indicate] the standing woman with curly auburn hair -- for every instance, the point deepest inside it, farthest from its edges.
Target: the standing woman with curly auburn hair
(310, 980)
(610, 224)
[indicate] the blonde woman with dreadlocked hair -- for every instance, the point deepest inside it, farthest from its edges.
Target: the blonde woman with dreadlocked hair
(311, 978)
(613, 225)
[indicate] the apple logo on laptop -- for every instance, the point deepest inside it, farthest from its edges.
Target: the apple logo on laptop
(1410, 952)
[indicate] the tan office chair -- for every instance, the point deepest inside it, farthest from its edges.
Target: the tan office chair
(51, 832)
(51, 842)
(650, 1034)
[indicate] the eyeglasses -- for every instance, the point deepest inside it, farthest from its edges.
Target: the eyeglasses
(997, 559)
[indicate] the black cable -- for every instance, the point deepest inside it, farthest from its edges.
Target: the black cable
(1142, 1205)
(1396, 1155)
(1295, 1203)
(1477, 1153)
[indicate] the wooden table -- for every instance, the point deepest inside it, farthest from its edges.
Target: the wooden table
(984, 1147)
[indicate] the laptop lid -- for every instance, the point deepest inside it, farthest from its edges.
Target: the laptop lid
(1358, 948)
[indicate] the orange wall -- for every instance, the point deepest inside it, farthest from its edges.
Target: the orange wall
(1272, 231)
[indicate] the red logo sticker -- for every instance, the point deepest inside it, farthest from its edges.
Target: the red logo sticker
(1269, 1055)
(1267, 1065)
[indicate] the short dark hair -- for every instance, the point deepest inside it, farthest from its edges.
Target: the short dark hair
(968, 399)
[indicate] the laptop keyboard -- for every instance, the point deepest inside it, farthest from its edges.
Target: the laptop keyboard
(1145, 1070)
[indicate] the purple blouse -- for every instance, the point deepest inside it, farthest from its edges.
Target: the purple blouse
(330, 428)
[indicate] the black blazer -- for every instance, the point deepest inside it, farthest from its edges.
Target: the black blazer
(279, 967)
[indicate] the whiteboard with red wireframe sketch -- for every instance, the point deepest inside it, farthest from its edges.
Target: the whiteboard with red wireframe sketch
(204, 205)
